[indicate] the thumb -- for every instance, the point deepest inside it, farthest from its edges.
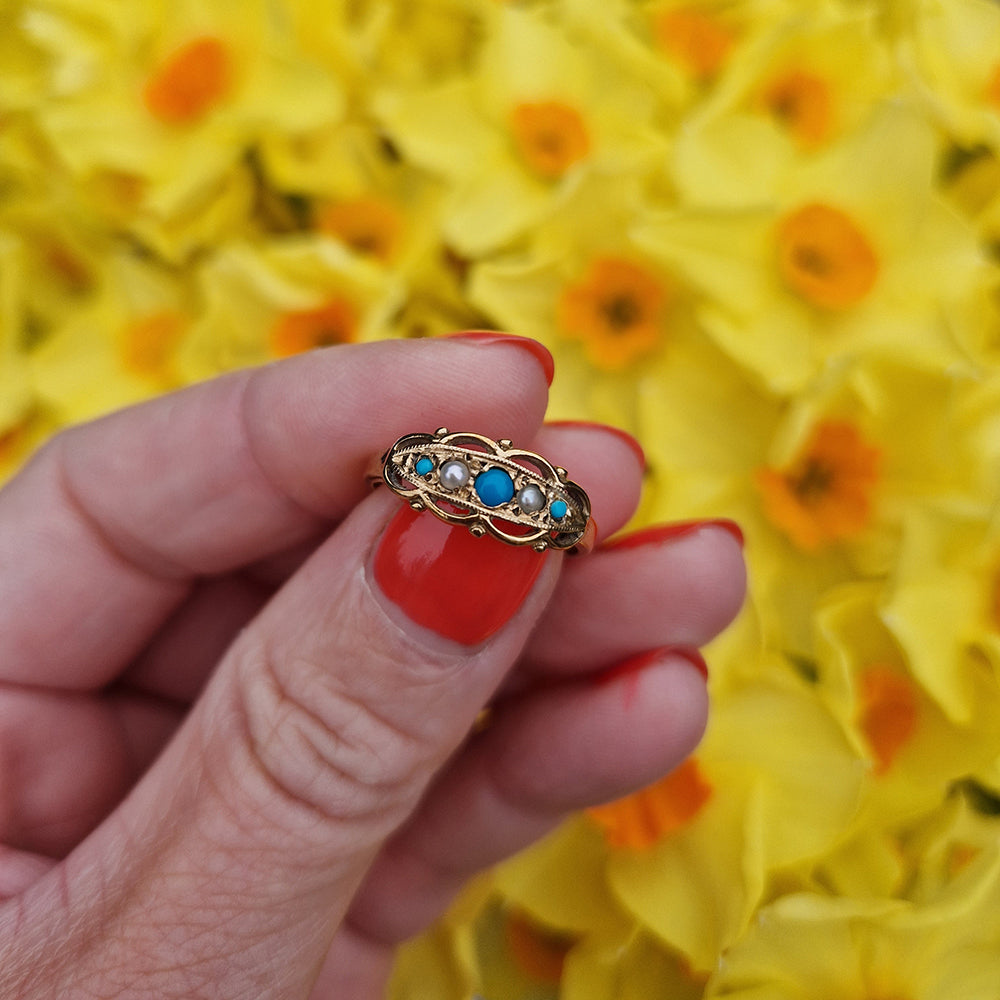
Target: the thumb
(235, 858)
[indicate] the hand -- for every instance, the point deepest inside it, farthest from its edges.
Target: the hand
(232, 764)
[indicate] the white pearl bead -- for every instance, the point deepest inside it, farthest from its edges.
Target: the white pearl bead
(530, 498)
(454, 474)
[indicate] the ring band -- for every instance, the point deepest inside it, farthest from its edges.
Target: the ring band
(491, 487)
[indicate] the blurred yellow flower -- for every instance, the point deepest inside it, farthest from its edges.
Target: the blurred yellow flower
(550, 137)
(824, 495)
(824, 257)
(581, 287)
(941, 603)
(628, 966)
(189, 81)
(647, 816)
(617, 309)
(765, 797)
(699, 37)
(367, 224)
(887, 713)
(808, 946)
(848, 252)
(518, 132)
(952, 53)
(170, 104)
(266, 302)
(812, 78)
(335, 322)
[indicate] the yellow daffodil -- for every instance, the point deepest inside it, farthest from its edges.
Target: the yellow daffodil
(813, 78)
(305, 293)
(915, 751)
(561, 882)
(941, 604)
(848, 252)
(169, 106)
(973, 186)
(751, 804)
(825, 493)
(957, 836)
(605, 309)
(952, 53)
(682, 48)
(119, 348)
(518, 132)
(443, 964)
(630, 966)
(819, 948)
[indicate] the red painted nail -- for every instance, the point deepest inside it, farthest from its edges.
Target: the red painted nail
(539, 351)
(624, 436)
(693, 657)
(630, 669)
(442, 577)
(668, 532)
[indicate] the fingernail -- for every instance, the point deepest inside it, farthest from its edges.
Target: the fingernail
(623, 436)
(629, 671)
(442, 577)
(636, 664)
(693, 657)
(670, 532)
(538, 351)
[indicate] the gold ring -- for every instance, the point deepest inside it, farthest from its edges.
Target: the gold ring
(490, 487)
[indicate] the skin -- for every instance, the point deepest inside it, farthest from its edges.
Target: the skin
(229, 766)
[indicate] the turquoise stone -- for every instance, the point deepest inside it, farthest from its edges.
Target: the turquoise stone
(558, 509)
(423, 466)
(494, 487)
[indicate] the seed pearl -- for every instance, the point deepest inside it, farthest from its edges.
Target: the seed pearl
(530, 498)
(454, 474)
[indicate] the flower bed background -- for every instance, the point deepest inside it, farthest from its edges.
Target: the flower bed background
(763, 237)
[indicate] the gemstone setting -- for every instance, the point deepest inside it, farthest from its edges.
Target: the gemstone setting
(454, 475)
(494, 487)
(558, 510)
(530, 498)
(424, 466)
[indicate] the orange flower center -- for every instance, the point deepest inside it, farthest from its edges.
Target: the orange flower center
(368, 225)
(993, 87)
(11, 439)
(550, 137)
(189, 81)
(825, 258)
(825, 494)
(148, 342)
(698, 41)
(537, 951)
(643, 819)
(333, 323)
(71, 271)
(617, 309)
(802, 102)
(960, 856)
(887, 713)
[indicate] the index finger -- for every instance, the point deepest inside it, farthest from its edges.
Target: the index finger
(103, 533)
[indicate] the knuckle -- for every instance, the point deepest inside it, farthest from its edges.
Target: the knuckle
(313, 745)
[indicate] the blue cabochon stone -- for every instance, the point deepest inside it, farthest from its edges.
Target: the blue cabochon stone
(423, 466)
(558, 509)
(494, 487)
